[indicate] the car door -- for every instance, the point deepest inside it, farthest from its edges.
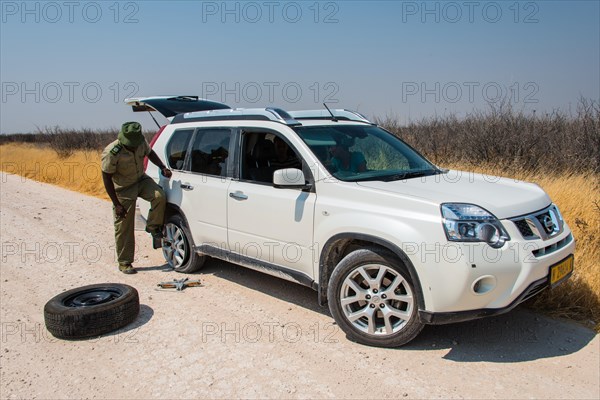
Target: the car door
(200, 186)
(274, 226)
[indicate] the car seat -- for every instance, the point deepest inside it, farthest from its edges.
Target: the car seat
(260, 168)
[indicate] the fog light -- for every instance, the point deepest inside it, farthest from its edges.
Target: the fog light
(484, 285)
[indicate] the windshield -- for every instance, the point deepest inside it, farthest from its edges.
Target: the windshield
(364, 152)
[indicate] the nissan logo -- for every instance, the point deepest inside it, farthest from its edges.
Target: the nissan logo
(548, 223)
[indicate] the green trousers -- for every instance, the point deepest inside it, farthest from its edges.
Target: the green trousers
(148, 190)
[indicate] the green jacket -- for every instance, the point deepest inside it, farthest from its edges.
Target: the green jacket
(126, 167)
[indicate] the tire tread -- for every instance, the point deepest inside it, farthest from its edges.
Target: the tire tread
(84, 322)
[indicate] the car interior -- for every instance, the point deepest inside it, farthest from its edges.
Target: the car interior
(260, 159)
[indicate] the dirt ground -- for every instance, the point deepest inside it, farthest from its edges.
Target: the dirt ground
(243, 334)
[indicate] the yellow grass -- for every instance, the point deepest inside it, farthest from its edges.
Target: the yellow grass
(577, 194)
(79, 172)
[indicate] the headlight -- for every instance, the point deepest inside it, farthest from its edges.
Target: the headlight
(470, 223)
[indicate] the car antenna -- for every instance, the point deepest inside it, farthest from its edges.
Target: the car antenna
(333, 118)
(155, 121)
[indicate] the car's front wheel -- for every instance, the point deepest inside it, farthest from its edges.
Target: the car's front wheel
(373, 300)
(178, 247)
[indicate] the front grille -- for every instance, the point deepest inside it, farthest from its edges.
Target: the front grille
(544, 224)
(524, 228)
(553, 247)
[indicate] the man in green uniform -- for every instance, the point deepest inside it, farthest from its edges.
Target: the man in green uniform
(125, 180)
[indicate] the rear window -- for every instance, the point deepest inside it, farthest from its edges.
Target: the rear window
(177, 148)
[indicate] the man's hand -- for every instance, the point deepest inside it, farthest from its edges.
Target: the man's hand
(156, 161)
(110, 189)
(166, 172)
(120, 211)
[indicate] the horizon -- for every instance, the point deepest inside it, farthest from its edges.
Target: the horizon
(72, 64)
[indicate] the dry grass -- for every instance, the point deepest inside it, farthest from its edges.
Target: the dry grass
(578, 197)
(80, 171)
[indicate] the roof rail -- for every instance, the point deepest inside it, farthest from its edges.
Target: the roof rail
(341, 114)
(291, 118)
(261, 114)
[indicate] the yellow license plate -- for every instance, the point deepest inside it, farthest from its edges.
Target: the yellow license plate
(561, 271)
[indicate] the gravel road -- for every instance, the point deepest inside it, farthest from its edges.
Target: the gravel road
(243, 334)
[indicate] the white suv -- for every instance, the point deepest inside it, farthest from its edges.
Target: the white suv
(330, 200)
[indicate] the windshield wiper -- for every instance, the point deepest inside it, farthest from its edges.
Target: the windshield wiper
(399, 176)
(407, 175)
(387, 178)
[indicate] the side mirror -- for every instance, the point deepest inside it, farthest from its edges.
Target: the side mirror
(289, 178)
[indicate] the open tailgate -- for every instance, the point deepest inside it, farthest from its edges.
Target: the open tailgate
(169, 106)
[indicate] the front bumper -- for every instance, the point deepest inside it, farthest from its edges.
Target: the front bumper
(476, 280)
(430, 318)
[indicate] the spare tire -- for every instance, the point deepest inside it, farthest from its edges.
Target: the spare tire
(91, 310)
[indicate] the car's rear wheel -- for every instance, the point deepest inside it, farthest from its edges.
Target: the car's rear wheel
(373, 300)
(178, 247)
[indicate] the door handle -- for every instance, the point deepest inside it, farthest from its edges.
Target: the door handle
(238, 196)
(186, 186)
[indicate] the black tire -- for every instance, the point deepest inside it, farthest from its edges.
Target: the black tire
(372, 330)
(191, 261)
(91, 310)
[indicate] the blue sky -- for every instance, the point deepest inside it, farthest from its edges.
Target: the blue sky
(71, 64)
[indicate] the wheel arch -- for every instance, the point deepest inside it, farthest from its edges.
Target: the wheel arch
(173, 209)
(339, 245)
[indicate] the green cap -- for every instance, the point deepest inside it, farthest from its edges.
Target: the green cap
(131, 134)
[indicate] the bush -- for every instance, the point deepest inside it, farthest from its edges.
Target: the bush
(66, 141)
(509, 138)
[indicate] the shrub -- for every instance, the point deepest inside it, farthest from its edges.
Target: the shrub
(502, 136)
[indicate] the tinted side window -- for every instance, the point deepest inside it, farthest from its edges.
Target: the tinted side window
(177, 148)
(263, 154)
(210, 151)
